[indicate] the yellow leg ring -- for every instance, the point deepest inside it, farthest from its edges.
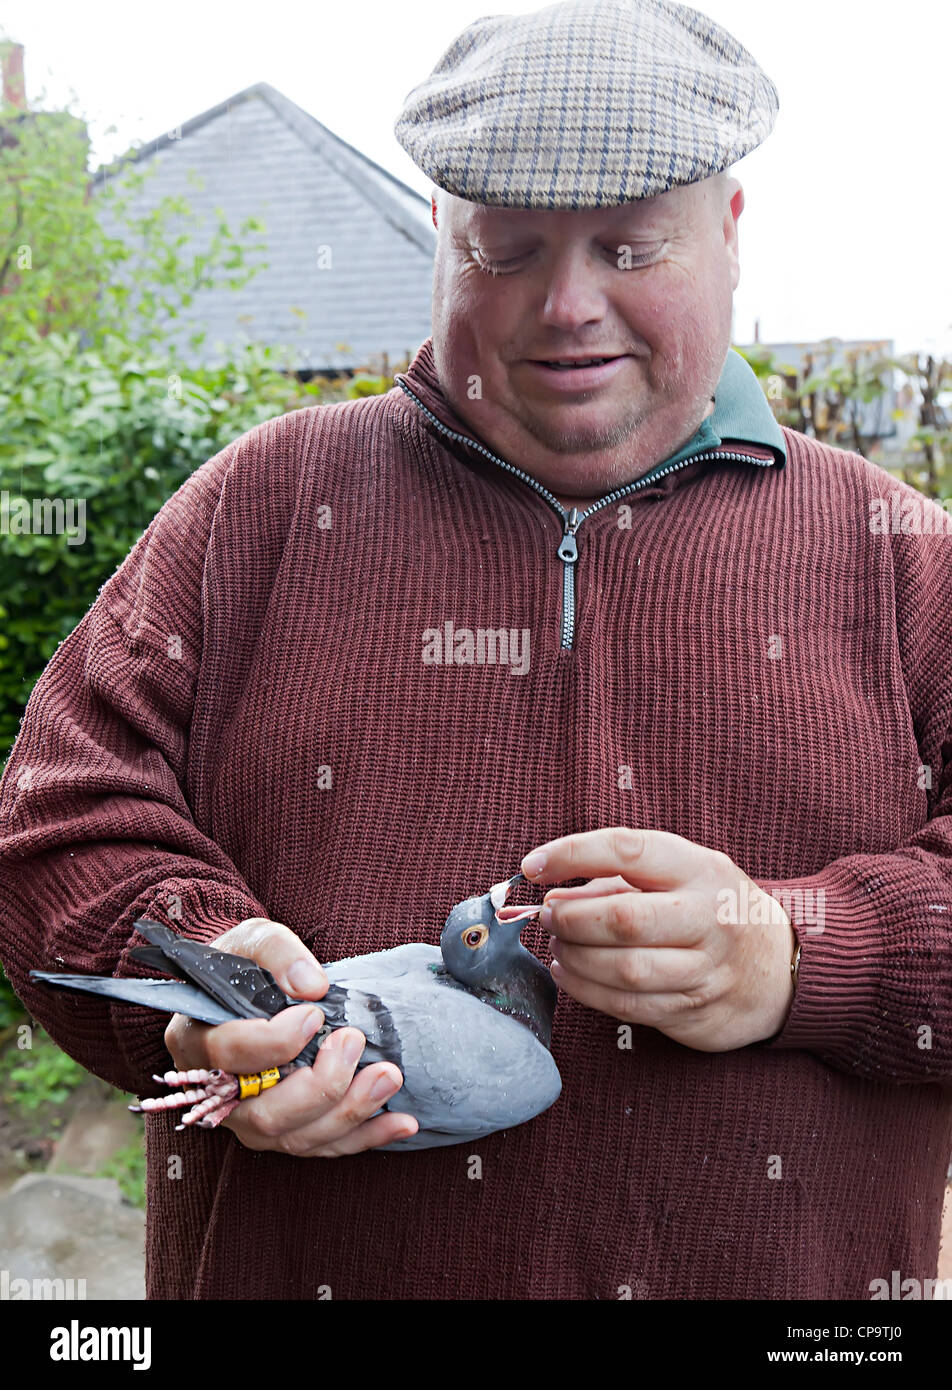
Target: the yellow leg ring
(257, 1082)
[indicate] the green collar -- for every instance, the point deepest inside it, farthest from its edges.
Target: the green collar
(740, 413)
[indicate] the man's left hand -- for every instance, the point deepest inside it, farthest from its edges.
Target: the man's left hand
(668, 934)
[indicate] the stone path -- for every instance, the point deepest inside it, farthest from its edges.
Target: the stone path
(76, 1231)
(66, 1225)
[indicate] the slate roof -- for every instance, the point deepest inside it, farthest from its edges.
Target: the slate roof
(258, 154)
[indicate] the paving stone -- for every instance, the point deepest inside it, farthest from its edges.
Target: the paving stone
(55, 1226)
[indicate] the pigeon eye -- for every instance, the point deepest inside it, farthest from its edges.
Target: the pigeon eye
(474, 937)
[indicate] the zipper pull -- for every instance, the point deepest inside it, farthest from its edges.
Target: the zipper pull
(568, 547)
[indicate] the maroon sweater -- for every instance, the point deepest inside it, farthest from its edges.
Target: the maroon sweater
(255, 718)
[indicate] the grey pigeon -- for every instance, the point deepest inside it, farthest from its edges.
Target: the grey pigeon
(468, 1022)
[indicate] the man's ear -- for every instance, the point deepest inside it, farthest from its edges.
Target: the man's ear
(733, 207)
(433, 209)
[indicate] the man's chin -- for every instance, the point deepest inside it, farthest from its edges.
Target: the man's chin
(574, 437)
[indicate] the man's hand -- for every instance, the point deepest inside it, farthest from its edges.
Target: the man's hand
(318, 1111)
(680, 939)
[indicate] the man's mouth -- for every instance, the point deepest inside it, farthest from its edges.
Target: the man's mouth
(568, 364)
(577, 373)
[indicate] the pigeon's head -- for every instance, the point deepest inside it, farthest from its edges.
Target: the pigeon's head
(480, 942)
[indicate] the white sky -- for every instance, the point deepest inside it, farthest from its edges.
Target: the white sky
(846, 231)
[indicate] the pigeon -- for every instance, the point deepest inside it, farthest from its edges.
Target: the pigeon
(468, 1022)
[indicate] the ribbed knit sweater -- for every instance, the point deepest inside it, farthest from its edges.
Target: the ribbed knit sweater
(281, 705)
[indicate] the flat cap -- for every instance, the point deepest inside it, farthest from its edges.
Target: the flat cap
(586, 103)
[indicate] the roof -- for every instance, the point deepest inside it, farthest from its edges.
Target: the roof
(349, 247)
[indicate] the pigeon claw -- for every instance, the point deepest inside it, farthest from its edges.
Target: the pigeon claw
(212, 1096)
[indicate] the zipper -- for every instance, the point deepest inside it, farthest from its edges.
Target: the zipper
(572, 520)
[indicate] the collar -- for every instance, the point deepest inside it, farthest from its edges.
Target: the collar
(741, 411)
(741, 422)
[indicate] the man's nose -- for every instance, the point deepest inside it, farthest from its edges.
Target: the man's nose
(574, 292)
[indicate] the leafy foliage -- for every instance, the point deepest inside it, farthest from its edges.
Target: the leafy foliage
(12, 1011)
(40, 1075)
(831, 401)
(127, 1166)
(100, 263)
(38, 1082)
(115, 433)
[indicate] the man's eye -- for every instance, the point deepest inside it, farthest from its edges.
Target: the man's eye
(497, 267)
(626, 258)
(622, 255)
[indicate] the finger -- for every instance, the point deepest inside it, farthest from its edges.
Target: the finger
(187, 1042)
(309, 1093)
(343, 1129)
(384, 1129)
(648, 1010)
(253, 1044)
(318, 1105)
(278, 949)
(594, 888)
(644, 858)
(652, 970)
(630, 919)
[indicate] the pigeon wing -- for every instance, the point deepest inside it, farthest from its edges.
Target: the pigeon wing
(358, 997)
(168, 996)
(235, 982)
(156, 959)
(411, 959)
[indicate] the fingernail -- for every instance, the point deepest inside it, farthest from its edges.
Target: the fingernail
(312, 1021)
(533, 863)
(545, 916)
(384, 1086)
(351, 1046)
(304, 977)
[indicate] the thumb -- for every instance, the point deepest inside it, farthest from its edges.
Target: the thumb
(275, 947)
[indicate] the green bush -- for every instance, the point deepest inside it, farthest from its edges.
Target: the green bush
(39, 1075)
(115, 433)
(11, 1010)
(95, 407)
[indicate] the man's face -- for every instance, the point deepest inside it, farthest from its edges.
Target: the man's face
(649, 283)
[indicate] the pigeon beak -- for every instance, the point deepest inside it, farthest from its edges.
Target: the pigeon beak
(500, 891)
(497, 896)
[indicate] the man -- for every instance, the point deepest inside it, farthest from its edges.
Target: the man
(720, 698)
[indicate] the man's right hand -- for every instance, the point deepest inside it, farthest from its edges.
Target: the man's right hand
(319, 1111)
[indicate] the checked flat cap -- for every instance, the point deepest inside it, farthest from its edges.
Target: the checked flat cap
(586, 103)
